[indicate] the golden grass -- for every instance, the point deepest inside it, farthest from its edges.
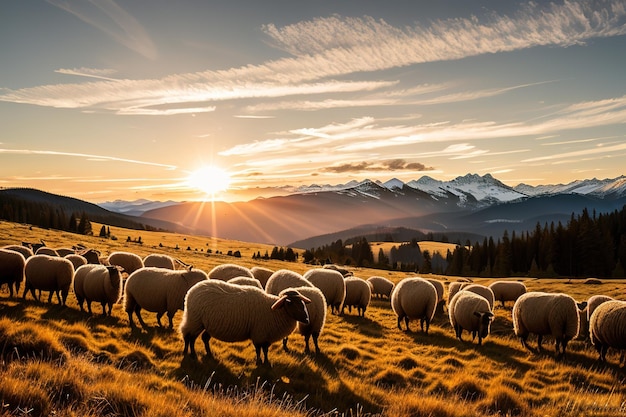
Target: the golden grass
(58, 360)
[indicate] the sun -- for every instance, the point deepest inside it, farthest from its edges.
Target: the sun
(209, 179)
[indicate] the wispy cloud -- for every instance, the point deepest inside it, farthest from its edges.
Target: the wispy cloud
(389, 165)
(582, 153)
(102, 73)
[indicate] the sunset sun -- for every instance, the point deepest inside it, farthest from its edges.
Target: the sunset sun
(209, 179)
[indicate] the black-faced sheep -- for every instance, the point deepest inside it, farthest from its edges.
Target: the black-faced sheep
(128, 261)
(546, 314)
(283, 279)
(317, 317)
(48, 273)
(262, 274)
(224, 272)
(158, 290)
(381, 286)
(332, 285)
(414, 298)
(98, 283)
(358, 295)
(504, 291)
(233, 313)
(607, 328)
(470, 311)
(11, 269)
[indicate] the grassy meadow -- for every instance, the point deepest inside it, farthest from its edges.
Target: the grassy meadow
(59, 361)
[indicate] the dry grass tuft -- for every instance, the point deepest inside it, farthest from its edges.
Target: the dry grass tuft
(502, 400)
(468, 389)
(28, 341)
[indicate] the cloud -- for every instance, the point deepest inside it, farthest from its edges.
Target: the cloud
(89, 72)
(389, 165)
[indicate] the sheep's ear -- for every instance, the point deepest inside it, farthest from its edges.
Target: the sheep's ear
(477, 314)
(305, 299)
(279, 303)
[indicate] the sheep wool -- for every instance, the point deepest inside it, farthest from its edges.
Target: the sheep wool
(48, 273)
(98, 283)
(593, 302)
(455, 287)
(441, 302)
(159, 260)
(224, 272)
(158, 290)
(246, 281)
(24, 250)
(234, 313)
(483, 291)
(262, 274)
(317, 317)
(283, 279)
(44, 250)
(76, 260)
(11, 269)
(607, 328)
(358, 295)
(381, 286)
(472, 312)
(414, 298)
(504, 291)
(129, 261)
(546, 314)
(332, 285)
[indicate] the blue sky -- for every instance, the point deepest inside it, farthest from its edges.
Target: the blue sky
(108, 99)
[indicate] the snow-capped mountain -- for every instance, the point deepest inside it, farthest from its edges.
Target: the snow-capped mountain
(136, 207)
(609, 187)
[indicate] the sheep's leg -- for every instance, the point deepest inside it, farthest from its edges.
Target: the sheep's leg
(130, 319)
(406, 322)
(265, 349)
(158, 317)
(170, 317)
(190, 341)
(317, 347)
(205, 339)
(285, 348)
(89, 306)
(49, 296)
(539, 340)
(80, 302)
(138, 314)
(306, 343)
(104, 308)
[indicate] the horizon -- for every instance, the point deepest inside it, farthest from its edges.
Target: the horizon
(194, 101)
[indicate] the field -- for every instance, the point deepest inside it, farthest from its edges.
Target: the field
(59, 361)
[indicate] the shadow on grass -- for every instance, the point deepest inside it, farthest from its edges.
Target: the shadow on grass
(364, 325)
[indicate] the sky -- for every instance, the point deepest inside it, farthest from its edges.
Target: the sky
(191, 99)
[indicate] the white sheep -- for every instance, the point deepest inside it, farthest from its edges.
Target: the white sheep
(158, 290)
(234, 313)
(343, 271)
(283, 279)
(358, 294)
(317, 317)
(262, 274)
(76, 260)
(472, 312)
(381, 286)
(48, 273)
(414, 298)
(607, 328)
(24, 250)
(455, 287)
(246, 281)
(159, 260)
(483, 291)
(44, 250)
(504, 291)
(441, 302)
(128, 261)
(98, 283)
(546, 314)
(224, 272)
(593, 302)
(11, 269)
(331, 283)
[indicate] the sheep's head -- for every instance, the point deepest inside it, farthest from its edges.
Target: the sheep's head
(484, 319)
(294, 304)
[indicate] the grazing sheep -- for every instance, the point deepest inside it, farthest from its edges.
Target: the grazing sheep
(48, 273)
(331, 283)
(358, 294)
(44, 250)
(63, 252)
(262, 274)
(24, 250)
(159, 260)
(482, 291)
(546, 314)
(76, 260)
(381, 286)
(607, 328)
(129, 261)
(92, 255)
(504, 291)
(593, 302)
(98, 283)
(472, 312)
(414, 298)
(283, 279)
(455, 287)
(441, 302)
(11, 269)
(224, 272)
(342, 271)
(246, 281)
(234, 313)
(158, 290)
(317, 317)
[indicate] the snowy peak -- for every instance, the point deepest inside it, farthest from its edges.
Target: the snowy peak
(393, 184)
(615, 188)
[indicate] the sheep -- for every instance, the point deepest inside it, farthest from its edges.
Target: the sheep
(546, 314)
(440, 290)
(246, 281)
(504, 291)
(381, 286)
(158, 290)
(234, 313)
(358, 294)
(98, 283)
(483, 291)
(262, 274)
(455, 287)
(63, 252)
(129, 261)
(342, 271)
(317, 317)
(607, 328)
(48, 273)
(283, 279)
(159, 260)
(593, 302)
(76, 260)
(414, 298)
(92, 255)
(472, 312)
(24, 250)
(44, 250)
(224, 272)
(331, 283)
(11, 269)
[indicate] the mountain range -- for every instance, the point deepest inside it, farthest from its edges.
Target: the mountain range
(469, 206)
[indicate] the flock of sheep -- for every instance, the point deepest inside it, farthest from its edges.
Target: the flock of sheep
(233, 303)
